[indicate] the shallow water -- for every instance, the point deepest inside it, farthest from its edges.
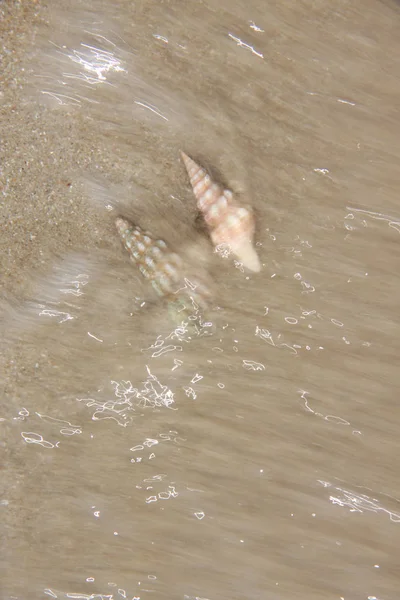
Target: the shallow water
(259, 458)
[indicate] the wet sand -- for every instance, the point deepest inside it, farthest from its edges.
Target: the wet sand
(259, 461)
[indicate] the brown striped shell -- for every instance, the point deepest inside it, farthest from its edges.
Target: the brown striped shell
(165, 270)
(228, 223)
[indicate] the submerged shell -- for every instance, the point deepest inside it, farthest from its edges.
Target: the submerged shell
(165, 270)
(228, 223)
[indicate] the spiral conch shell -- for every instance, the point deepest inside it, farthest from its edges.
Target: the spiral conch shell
(228, 223)
(165, 270)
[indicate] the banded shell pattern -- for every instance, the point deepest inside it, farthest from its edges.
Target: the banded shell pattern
(228, 223)
(165, 270)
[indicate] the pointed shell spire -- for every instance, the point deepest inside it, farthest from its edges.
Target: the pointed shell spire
(165, 270)
(228, 223)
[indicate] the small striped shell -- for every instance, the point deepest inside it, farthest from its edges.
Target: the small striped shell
(164, 269)
(228, 223)
(151, 256)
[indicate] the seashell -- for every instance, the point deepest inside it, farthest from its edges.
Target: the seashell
(164, 269)
(228, 223)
